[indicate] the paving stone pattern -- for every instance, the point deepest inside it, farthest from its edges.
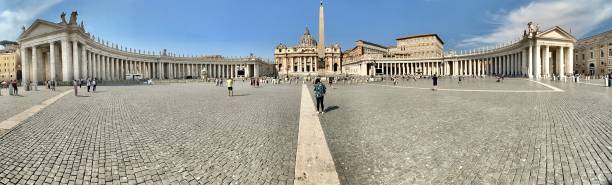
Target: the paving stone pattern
(387, 135)
(11, 105)
(487, 83)
(167, 134)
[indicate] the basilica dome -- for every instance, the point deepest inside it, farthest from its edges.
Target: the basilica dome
(306, 40)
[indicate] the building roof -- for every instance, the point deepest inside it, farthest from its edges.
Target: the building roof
(421, 35)
(373, 44)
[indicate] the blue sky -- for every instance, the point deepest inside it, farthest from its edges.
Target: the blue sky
(240, 27)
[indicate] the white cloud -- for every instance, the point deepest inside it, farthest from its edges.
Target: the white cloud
(581, 16)
(15, 14)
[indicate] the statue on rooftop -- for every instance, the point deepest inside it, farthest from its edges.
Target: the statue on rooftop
(73, 18)
(63, 16)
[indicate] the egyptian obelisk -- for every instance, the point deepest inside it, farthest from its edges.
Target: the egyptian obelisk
(321, 46)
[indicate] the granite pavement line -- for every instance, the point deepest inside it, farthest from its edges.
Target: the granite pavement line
(16, 119)
(549, 86)
(313, 163)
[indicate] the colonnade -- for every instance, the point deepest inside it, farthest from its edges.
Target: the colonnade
(71, 59)
(509, 64)
(533, 60)
(409, 68)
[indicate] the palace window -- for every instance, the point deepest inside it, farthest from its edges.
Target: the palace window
(610, 52)
(602, 53)
(583, 56)
(591, 55)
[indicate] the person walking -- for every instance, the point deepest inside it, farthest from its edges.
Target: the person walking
(53, 84)
(80, 83)
(75, 84)
(15, 90)
(319, 91)
(230, 87)
(94, 84)
(435, 82)
(88, 85)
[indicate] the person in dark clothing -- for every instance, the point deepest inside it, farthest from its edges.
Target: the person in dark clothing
(15, 90)
(319, 91)
(88, 85)
(435, 82)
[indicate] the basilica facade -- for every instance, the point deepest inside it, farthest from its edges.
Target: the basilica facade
(303, 59)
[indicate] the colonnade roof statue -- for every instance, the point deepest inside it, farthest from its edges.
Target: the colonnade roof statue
(65, 51)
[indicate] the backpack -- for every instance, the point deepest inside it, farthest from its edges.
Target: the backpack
(319, 90)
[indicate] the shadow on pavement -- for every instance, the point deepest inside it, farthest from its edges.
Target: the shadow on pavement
(331, 108)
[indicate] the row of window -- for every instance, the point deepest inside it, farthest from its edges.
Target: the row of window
(7, 70)
(601, 54)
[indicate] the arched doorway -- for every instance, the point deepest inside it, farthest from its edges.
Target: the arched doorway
(591, 69)
(335, 67)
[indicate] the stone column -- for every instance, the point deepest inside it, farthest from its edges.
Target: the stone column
(104, 67)
(256, 70)
(546, 62)
(169, 66)
(52, 60)
(522, 63)
(94, 65)
(34, 62)
(88, 64)
(530, 71)
(76, 60)
(477, 67)
(498, 64)
(561, 62)
(502, 64)
(66, 61)
(25, 66)
(570, 61)
(83, 61)
(538, 64)
(113, 74)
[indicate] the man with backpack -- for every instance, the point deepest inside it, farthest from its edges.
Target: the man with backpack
(319, 91)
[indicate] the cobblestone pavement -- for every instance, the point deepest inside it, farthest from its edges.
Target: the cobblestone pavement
(472, 83)
(167, 134)
(11, 105)
(387, 135)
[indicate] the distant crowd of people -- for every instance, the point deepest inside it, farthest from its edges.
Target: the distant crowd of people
(11, 85)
